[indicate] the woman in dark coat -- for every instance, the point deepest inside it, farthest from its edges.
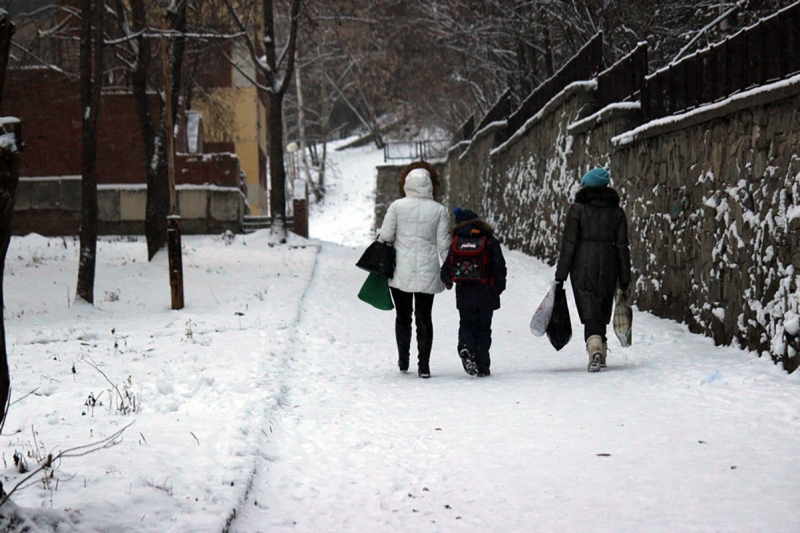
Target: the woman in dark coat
(596, 257)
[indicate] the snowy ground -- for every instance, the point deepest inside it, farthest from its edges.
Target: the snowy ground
(272, 403)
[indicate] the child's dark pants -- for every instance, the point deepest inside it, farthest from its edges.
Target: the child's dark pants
(475, 334)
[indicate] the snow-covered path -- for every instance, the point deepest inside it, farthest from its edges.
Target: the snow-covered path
(676, 435)
(272, 403)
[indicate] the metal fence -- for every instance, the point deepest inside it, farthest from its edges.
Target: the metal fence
(582, 66)
(765, 52)
(416, 150)
(499, 111)
(624, 80)
(466, 131)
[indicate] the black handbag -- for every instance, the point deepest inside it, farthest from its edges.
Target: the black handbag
(378, 258)
(559, 330)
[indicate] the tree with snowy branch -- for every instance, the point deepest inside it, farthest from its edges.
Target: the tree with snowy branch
(274, 71)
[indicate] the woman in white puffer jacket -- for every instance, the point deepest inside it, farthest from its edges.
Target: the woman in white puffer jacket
(419, 228)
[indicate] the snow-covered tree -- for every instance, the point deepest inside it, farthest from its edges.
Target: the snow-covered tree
(444, 60)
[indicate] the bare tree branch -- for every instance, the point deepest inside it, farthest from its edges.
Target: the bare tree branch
(705, 29)
(78, 451)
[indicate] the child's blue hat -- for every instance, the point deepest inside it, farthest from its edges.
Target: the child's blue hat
(463, 215)
(597, 177)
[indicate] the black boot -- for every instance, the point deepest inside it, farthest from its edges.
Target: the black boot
(402, 332)
(424, 369)
(424, 345)
(402, 363)
(468, 362)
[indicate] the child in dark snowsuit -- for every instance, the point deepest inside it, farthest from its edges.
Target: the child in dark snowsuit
(477, 295)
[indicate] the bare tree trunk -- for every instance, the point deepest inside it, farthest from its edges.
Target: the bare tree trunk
(139, 82)
(373, 119)
(277, 170)
(157, 208)
(325, 130)
(275, 94)
(9, 178)
(7, 29)
(270, 65)
(322, 168)
(371, 125)
(91, 58)
(301, 127)
(155, 222)
(158, 203)
(548, 58)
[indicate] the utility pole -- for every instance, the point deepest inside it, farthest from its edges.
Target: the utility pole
(173, 219)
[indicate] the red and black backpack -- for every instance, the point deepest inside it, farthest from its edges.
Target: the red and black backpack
(469, 259)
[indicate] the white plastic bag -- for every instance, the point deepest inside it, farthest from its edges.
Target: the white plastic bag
(623, 319)
(541, 317)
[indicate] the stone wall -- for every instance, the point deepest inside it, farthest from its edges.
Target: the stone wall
(712, 197)
(715, 205)
(388, 188)
(52, 207)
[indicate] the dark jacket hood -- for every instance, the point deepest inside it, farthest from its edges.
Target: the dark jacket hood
(484, 227)
(597, 196)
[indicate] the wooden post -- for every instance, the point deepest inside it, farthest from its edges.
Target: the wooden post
(175, 260)
(300, 208)
(174, 219)
(170, 128)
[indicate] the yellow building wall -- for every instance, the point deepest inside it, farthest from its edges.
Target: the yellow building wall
(235, 114)
(249, 138)
(216, 108)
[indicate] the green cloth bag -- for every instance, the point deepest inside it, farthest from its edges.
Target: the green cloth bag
(375, 292)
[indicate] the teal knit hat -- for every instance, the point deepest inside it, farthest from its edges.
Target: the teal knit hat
(597, 177)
